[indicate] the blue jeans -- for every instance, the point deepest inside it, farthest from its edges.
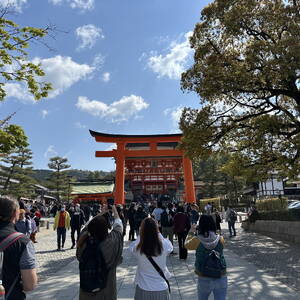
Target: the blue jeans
(217, 286)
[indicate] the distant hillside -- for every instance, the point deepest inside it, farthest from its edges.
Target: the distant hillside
(42, 175)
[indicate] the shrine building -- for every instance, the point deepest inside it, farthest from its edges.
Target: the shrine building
(150, 164)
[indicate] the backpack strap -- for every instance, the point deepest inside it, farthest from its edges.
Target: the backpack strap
(159, 271)
(7, 242)
(10, 239)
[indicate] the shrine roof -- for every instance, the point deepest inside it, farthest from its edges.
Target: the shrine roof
(92, 188)
(105, 137)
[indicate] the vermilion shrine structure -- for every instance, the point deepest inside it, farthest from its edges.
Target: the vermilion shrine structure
(150, 162)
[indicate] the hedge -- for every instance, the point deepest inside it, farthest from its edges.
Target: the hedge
(280, 215)
(272, 204)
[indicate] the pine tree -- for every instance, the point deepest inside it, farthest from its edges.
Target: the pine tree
(16, 173)
(59, 181)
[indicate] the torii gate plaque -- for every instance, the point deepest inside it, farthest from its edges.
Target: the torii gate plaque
(151, 145)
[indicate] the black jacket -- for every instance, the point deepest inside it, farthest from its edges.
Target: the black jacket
(12, 256)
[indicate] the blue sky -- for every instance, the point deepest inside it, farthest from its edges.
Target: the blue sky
(115, 68)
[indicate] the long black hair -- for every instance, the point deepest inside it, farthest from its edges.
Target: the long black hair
(206, 224)
(150, 243)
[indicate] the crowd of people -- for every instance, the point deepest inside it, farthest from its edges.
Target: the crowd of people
(98, 235)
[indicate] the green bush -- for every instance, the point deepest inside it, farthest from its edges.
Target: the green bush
(272, 204)
(280, 215)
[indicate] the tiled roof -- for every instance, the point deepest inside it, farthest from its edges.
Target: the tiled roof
(92, 188)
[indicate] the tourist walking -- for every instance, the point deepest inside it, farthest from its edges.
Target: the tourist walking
(33, 233)
(61, 225)
(210, 264)
(23, 224)
(167, 222)
(99, 253)
(218, 220)
(151, 250)
(18, 268)
(194, 214)
(122, 217)
(231, 217)
(77, 221)
(181, 228)
(139, 216)
(157, 213)
(208, 208)
(130, 215)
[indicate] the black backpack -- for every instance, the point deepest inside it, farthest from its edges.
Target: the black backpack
(232, 216)
(210, 263)
(92, 267)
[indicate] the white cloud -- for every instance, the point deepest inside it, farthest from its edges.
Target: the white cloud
(17, 5)
(88, 35)
(61, 71)
(82, 5)
(98, 61)
(173, 63)
(175, 114)
(44, 113)
(79, 125)
(106, 76)
(118, 111)
(50, 152)
(19, 91)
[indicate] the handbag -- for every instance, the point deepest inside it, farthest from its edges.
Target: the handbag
(159, 271)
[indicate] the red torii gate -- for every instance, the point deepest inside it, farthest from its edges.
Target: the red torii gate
(122, 152)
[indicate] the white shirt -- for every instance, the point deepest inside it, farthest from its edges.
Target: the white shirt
(146, 277)
(157, 213)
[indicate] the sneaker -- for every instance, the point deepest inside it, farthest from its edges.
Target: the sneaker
(58, 249)
(73, 246)
(173, 253)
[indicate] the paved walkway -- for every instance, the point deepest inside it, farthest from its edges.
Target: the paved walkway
(246, 280)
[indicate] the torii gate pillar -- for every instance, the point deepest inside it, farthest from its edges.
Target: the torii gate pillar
(188, 180)
(120, 174)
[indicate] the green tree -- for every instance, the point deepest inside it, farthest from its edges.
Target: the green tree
(15, 66)
(59, 181)
(11, 136)
(14, 62)
(246, 72)
(219, 176)
(16, 173)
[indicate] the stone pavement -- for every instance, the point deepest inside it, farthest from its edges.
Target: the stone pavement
(246, 280)
(278, 258)
(48, 258)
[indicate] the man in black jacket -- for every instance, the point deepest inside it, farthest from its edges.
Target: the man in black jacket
(19, 266)
(77, 220)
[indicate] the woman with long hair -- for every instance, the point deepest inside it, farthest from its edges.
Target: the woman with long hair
(99, 252)
(210, 265)
(151, 251)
